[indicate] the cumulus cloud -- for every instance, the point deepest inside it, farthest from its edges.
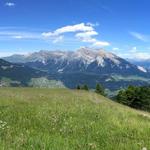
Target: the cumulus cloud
(87, 36)
(9, 4)
(58, 39)
(74, 28)
(71, 34)
(140, 36)
(93, 24)
(83, 32)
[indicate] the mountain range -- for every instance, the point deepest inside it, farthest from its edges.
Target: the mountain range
(84, 66)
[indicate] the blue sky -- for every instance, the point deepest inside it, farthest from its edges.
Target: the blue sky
(119, 26)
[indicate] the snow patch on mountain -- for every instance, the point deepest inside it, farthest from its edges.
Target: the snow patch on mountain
(142, 69)
(82, 60)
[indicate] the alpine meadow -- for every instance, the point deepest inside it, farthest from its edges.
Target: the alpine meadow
(69, 119)
(74, 75)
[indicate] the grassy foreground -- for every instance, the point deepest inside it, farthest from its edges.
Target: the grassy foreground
(59, 119)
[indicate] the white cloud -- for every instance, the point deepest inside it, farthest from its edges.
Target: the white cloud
(10, 4)
(58, 39)
(87, 36)
(141, 55)
(93, 24)
(18, 35)
(100, 43)
(115, 49)
(74, 28)
(80, 33)
(4, 54)
(83, 32)
(47, 34)
(133, 50)
(140, 36)
(135, 54)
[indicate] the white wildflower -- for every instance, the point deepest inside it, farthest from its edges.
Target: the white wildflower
(3, 124)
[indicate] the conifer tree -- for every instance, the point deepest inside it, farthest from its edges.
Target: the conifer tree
(99, 89)
(78, 87)
(85, 87)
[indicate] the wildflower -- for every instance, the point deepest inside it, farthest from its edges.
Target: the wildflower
(3, 124)
(92, 145)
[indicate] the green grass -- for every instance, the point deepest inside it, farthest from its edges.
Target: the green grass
(44, 82)
(61, 119)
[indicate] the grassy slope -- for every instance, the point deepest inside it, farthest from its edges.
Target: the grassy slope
(68, 120)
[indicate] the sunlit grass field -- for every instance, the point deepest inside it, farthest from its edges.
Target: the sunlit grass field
(61, 119)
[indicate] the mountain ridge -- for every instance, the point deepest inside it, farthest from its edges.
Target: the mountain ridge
(85, 66)
(86, 56)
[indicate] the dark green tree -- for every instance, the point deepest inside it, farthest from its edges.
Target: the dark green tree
(85, 87)
(99, 89)
(136, 97)
(78, 87)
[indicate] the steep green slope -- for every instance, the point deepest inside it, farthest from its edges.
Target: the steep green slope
(62, 119)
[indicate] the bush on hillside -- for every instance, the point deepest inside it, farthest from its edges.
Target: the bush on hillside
(85, 87)
(136, 97)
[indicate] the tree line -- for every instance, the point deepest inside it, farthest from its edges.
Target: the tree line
(136, 97)
(98, 88)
